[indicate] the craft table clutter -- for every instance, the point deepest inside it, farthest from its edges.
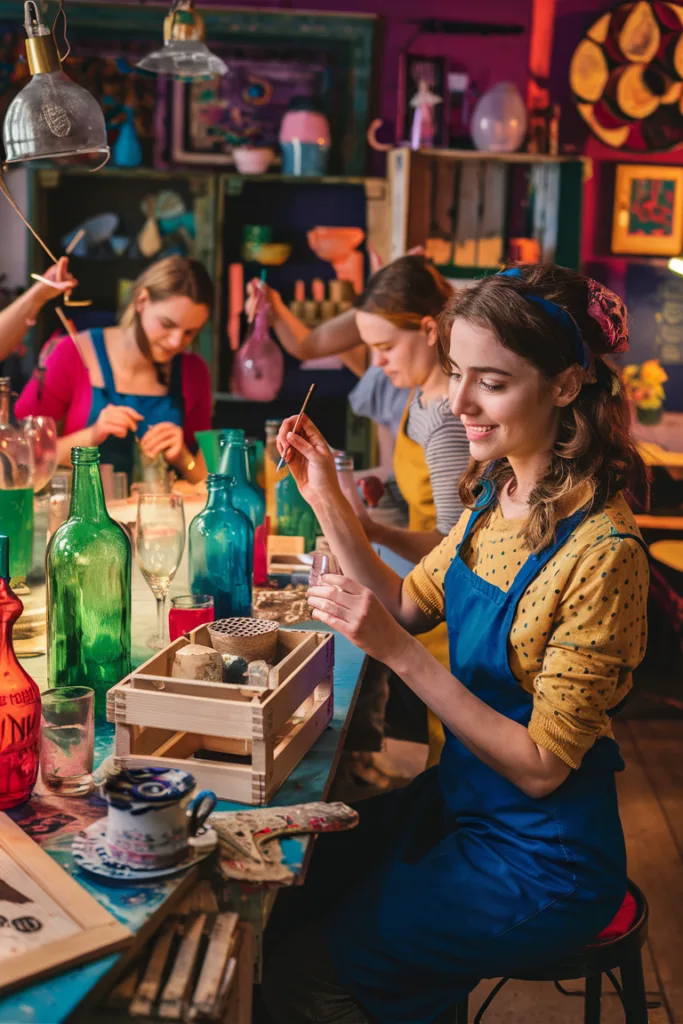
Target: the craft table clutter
(276, 736)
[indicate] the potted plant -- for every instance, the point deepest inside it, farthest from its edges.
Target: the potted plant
(643, 384)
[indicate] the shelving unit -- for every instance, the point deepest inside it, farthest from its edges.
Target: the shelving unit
(467, 205)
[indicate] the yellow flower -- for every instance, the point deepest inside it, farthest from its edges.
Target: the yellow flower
(652, 373)
(629, 372)
(653, 402)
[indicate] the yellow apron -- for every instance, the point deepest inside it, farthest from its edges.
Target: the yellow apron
(412, 477)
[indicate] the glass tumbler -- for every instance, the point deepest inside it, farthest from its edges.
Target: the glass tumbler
(67, 740)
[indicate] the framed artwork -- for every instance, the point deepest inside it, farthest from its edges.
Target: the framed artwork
(648, 210)
(247, 103)
(47, 921)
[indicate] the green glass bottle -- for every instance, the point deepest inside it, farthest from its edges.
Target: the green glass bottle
(88, 589)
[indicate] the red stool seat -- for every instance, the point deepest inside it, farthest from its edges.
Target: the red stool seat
(622, 921)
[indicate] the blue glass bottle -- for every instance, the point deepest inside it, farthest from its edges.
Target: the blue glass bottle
(234, 462)
(221, 551)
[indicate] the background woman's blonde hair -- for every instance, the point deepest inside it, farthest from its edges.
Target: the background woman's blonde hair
(405, 292)
(170, 278)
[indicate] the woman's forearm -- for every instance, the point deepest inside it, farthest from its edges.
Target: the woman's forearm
(15, 318)
(329, 339)
(359, 560)
(495, 739)
(412, 545)
(79, 439)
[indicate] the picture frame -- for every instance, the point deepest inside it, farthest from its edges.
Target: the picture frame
(648, 210)
(48, 922)
(291, 36)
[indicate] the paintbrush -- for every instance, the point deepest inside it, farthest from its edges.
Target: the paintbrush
(296, 426)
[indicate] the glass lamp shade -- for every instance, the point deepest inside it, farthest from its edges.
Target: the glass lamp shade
(52, 118)
(185, 60)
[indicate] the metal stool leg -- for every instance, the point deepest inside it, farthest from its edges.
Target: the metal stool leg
(591, 1005)
(633, 986)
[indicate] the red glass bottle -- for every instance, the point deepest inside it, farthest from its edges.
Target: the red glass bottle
(19, 703)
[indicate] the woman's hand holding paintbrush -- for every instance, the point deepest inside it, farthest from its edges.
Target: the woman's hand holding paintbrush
(309, 458)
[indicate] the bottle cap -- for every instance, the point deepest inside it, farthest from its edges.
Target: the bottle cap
(4, 556)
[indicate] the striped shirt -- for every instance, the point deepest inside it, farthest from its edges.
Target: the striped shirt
(447, 454)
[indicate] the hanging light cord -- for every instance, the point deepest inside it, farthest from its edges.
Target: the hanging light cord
(6, 192)
(54, 26)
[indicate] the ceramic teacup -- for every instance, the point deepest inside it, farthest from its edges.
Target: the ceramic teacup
(151, 816)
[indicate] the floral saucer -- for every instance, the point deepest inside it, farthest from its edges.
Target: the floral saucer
(91, 852)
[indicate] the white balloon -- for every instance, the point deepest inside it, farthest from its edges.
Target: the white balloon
(499, 119)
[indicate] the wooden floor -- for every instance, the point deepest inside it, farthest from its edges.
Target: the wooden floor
(651, 803)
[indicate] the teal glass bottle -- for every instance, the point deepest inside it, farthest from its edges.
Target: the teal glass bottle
(88, 589)
(295, 517)
(221, 551)
(234, 462)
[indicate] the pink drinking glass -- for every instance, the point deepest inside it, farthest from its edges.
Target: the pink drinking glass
(187, 612)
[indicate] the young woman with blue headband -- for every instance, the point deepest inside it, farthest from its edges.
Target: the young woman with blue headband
(511, 850)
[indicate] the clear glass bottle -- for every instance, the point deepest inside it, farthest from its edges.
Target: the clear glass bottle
(19, 703)
(88, 589)
(221, 551)
(16, 487)
(234, 462)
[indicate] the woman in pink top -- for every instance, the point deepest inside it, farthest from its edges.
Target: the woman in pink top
(135, 379)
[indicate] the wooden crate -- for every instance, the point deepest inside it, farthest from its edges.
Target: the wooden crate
(238, 741)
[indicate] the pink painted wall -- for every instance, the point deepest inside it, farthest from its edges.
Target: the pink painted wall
(489, 59)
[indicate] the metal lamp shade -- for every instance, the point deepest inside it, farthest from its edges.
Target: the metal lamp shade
(52, 118)
(186, 60)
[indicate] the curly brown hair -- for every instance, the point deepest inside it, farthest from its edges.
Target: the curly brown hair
(593, 445)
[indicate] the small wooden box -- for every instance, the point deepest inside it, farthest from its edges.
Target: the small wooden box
(238, 741)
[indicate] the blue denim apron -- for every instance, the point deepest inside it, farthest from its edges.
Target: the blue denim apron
(469, 877)
(154, 408)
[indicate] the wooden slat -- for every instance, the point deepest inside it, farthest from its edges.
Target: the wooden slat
(228, 781)
(148, 989)
(208, 989)
(177, 989)
(290, 695)
(290, 751)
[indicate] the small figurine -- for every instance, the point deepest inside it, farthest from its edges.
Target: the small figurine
(424, 125)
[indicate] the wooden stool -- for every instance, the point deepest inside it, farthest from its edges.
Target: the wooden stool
(622, 951)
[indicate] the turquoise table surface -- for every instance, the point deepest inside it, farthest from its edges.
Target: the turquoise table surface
(53, 822)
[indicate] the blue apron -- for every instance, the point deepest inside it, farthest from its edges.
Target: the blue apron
(464, 876)
(119, 451)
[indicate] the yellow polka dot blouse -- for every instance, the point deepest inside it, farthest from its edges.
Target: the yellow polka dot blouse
(579, 630)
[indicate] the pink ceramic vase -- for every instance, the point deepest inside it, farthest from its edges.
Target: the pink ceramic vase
(259, 364)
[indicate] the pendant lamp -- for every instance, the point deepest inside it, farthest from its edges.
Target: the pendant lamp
(184, 55)
(52, 118)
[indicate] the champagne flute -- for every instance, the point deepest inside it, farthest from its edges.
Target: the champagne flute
(159, 544)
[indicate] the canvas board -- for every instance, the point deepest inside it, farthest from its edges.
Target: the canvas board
(47, 921)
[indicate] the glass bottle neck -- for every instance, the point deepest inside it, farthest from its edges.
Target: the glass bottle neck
(5, 401)
(234, 462)
(87, 496)
(220, 492)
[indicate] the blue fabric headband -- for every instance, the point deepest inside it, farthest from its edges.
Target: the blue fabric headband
(558, 314)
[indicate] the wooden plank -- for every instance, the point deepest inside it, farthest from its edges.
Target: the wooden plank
(194, 688)
(174, 711)
(123, 993)
(289, 752)
(228, 781)
(296, 656)
(148, 989)
(654, 862)
(208, 989)
(176, 992)
(290, 695)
